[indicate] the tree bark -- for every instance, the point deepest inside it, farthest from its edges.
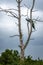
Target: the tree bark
(20, 32)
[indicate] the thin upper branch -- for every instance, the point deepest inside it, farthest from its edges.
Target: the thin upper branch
(33, 4)
(26, 6)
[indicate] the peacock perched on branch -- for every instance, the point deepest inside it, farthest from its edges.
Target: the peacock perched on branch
(33, 25)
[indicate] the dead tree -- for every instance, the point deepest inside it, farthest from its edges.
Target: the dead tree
(22, 45)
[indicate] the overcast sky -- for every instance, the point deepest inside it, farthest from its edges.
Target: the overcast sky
(8, 27)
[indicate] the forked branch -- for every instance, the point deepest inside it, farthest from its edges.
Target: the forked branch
(30, 30)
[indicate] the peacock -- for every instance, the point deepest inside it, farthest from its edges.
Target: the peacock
(33, 25)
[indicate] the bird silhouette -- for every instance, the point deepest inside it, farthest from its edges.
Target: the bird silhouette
(33, 25)
(32, 22)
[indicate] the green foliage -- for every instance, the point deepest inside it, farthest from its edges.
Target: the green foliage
(10, 57)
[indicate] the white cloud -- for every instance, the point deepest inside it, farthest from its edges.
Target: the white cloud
(4, 6)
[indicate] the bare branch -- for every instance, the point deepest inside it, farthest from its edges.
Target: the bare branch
(7, 11)
(34, 10)
(33, 4)
(24, 15)
(12, 9)
(32, 39)
(14, 35)
(10, 15)
(30, 30)
(26, 6)
(39, 20)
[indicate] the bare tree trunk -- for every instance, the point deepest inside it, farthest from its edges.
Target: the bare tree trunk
(20, 32)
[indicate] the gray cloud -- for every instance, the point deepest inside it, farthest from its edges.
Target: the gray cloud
(38, 3)
(7, 1)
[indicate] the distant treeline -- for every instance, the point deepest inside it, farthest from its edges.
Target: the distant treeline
(12, 57)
